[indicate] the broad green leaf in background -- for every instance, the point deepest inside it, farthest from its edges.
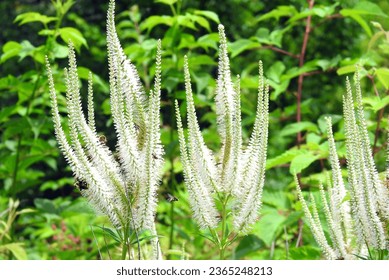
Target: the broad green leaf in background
(280, 11)
(249, 244)
(208, 41)
(16, 249)
(242, 45)
(320, 11)
(306, 252)
(301, 162)
(364, 8)
(275, 71)
(284, 158)
(376, 103)
(264, 36)
(10, 49)
(186, 21)
(153, 21)
(167, 2)
(200, 21)
(383, 76)
(70, 34)
(208, 14)
(293, 128)
(297, 71)
(33, 17)
(269, 225)
(346, 69)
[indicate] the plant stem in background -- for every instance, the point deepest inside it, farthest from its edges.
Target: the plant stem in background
(299, 97)
(301, 64)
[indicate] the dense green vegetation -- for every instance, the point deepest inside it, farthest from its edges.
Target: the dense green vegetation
(307, 49)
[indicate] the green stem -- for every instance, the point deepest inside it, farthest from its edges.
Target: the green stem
(223, 242)
(20, 138)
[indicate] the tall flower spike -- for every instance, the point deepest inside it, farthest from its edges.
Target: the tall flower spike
(361, 221)
(363, 177)
(125, 191)
(239, 173)
(315, 224)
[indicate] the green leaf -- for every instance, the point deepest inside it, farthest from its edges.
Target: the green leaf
(294, 128)
(264, 36)
(16, 249)
(60, 51)
(201, 60)
(376, 103)
(33, 17)
(10, 49)
(186, 21)
(208, 14)
(46, 32)
(278, 88)
(383, 76)
(153, 21)
(301, 162)
(276, 199)
(208, 41)
(242, 45)
(74, 35)
(27, 49)
(111, 233)
(322, 123)
(363, 23)
(145, 238)
(149, 44)
(297, 71)
(305, 252)
(46, 206)
(249, 244)
(284, 158)
(201, 21)
(281, 11)
(320, 11)
(275, 71)
(365, 8)
(270, 225)
(346, 69)
(166, 2)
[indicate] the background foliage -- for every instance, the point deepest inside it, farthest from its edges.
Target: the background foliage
(41, 213)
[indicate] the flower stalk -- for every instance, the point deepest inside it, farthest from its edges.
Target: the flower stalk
(227, 187)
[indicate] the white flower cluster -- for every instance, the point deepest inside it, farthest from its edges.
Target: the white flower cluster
(357, 223)
(123, 189)
(238, 173)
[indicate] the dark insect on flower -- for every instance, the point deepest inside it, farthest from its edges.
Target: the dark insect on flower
(169, 197)
(102, 139)
(155, 156)
(81, 184)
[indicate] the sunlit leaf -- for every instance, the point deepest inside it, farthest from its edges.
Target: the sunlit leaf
(301, 162)
(70, 34)
(33, 17)
(383, 76)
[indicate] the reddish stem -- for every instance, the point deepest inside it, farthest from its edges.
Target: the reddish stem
(301, 63)
(281, 51)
